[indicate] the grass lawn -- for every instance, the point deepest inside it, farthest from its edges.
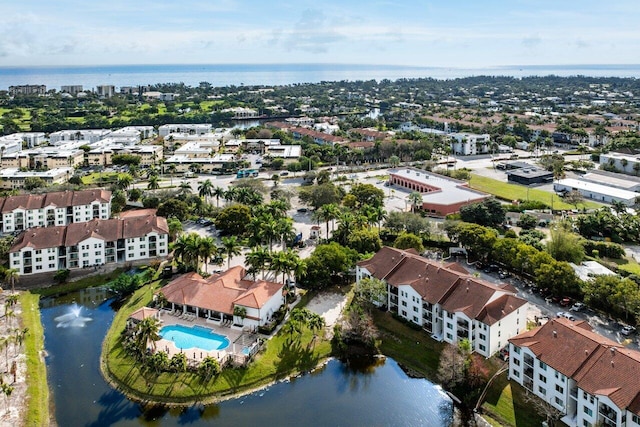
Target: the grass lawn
(630, 267)
(86, 282)
(412, 348)
(37, 389)
(282, 356)
(97, 177)
(510, 192)
(505, 404)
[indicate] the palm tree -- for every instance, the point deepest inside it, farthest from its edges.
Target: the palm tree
(207, 249)
(205, 189)
(11, 277)
(153, 183)
(217, 192)
(172, 171)
(208, 368)
(124, 181)
(241, 312)
(175, 227)
(231, 246)
(258, 259)
(185, 187)
(148, 330)
(186, 248)
(161, 300)
(415, 198)
(285, 230)
(328, 212)
(315, 322)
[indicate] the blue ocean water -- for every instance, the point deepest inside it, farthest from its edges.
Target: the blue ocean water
(275, 74)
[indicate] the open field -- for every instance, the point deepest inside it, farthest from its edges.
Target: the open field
(510, 192)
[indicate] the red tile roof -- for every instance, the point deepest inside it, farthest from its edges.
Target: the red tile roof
(220, 292)
(107, 229)
(598, 364)
(57, 199)
(453, 288)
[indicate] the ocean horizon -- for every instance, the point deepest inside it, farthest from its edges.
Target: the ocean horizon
(90, 76)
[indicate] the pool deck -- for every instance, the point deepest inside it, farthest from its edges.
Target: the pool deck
(197, 354)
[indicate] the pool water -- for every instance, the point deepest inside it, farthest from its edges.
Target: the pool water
(186, 337)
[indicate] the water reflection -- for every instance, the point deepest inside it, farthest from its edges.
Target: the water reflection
(360, 393)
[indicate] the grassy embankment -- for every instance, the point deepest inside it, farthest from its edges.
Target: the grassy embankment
(37, 390)
(511, 192)
(76, 285)
(280, 358)
(420, 355)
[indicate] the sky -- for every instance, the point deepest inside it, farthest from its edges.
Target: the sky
(443, 33)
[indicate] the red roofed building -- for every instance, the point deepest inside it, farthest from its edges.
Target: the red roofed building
(216, 297)
(591, 379)
(88, 244)
(51, 209)
(447, 302)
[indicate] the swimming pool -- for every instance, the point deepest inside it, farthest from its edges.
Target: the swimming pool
(186, 337)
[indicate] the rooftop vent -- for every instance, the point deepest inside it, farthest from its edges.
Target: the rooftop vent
(555, 334)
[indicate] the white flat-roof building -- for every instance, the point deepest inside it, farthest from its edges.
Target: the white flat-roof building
(87, 136)
(440, 195)
(207, 164)
(102, 155)
(197, 149)
(597, 192)
(71, 89)
(612, 179)
(13, 178)
(470, 144)
(10, 144)
(242, 112)
(625, 163)
(191, 129)
(587, 269)
(31, 139)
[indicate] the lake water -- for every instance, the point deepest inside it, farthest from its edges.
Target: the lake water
(335, 395)
(276, 74)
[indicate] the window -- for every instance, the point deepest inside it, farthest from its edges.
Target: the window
(515, 373)
(415, 309)
(587, 411)
(542, 390)
(482, 347)
(586, 423)
(450, 315)
(85, 254)
(415, 319)
(404, 303)
(483, 337)
(635, 419)
(449, 337)
(558, 401)
(143, 254)
(52, 257)
(516, 361)
(559, 389)
(542, 378)
(543, 365)
(449, 326)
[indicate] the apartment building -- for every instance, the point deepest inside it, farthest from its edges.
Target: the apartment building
(27, 90)
(446, 301)
(470, 144)
(590, 379)
(14, 179)
(53, 209)
(92, 243)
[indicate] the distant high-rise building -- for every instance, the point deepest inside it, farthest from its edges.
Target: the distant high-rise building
(27, 90)
(72, 89)
(106, 91)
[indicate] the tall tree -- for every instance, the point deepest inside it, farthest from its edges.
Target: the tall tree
(232, 247)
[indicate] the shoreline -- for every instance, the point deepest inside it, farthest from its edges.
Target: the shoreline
(116, 385)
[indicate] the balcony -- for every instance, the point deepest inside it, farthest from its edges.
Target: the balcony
(574, 393)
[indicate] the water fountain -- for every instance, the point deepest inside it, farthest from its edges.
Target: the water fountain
(72, 319)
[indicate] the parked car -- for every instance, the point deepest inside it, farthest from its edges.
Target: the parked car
(627, 330)
(303, 210)
(565, 315)
(565, 302)
(577, 306)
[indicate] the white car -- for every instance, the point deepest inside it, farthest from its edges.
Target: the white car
(577, 306)
(627, 330)
(566, 315)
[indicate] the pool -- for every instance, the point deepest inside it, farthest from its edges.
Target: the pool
(186, 337)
